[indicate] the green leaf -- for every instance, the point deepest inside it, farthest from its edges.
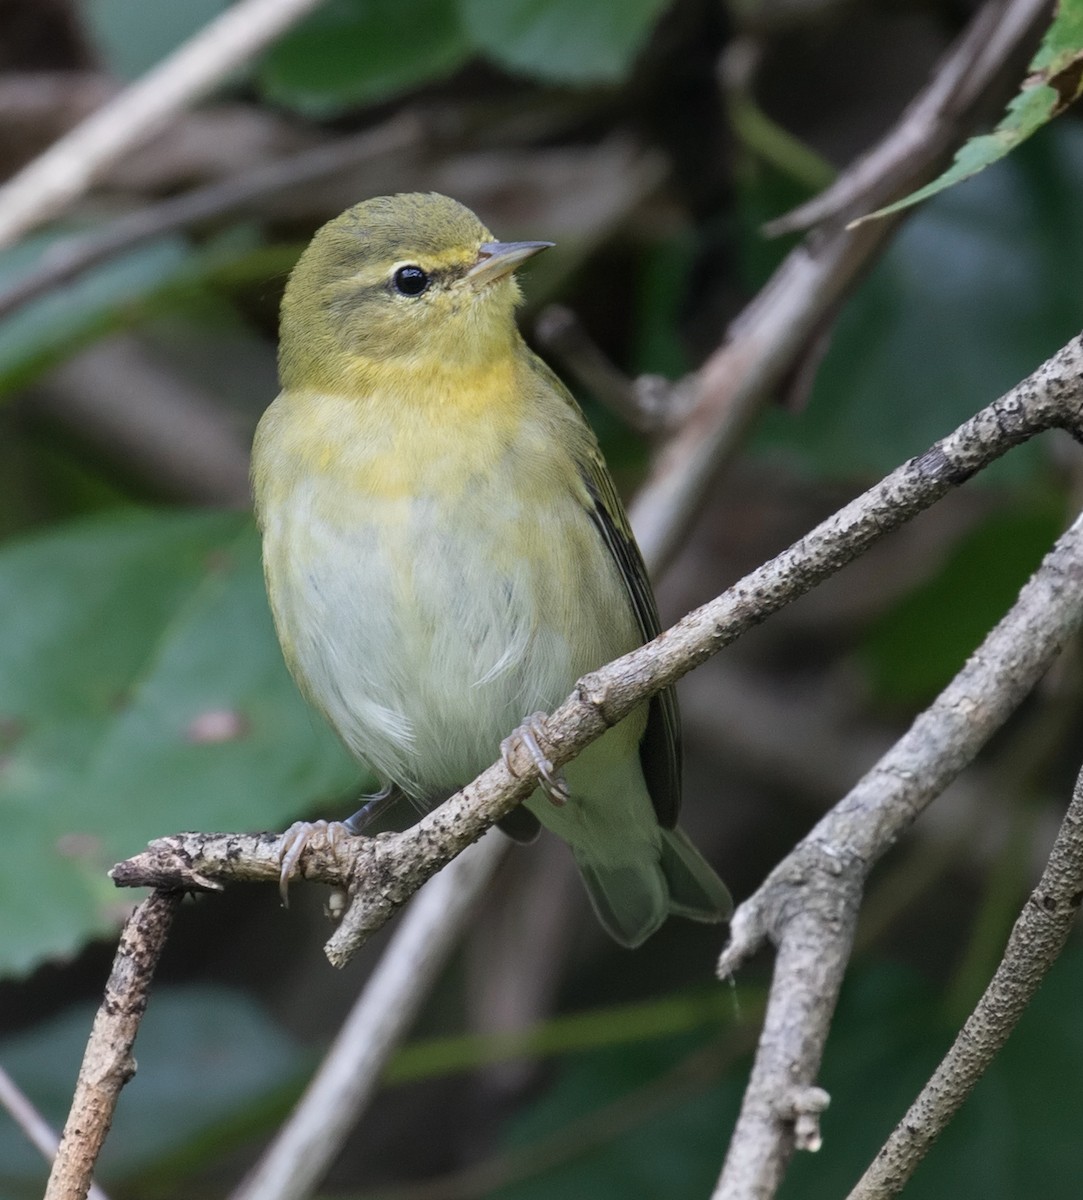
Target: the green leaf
(59, 323)
(209, 1059)
(562, 40)
(352, 52)
(142, 691)
(133, 35)
(1055, 81)
(1061, 53)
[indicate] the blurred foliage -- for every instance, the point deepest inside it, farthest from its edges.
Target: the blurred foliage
(967, 300)
(348, 53)
(645, 1121)
(142, 691)
(132, 36)
(211, 1066)
(913, 651)
(101, 301)
(140, 679)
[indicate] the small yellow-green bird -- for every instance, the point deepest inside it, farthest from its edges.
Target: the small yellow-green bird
(445, 552)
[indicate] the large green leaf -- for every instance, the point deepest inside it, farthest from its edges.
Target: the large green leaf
(210, 1061)
(141, 692)
(351, 52)
(562, 40)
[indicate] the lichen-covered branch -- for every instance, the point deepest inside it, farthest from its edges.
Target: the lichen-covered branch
(807, 907)
(107, 1062)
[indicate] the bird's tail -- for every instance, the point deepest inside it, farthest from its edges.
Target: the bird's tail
(633, 899)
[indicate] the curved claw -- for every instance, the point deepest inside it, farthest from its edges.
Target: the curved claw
(300, 833)
(294, 841)
(552, 781)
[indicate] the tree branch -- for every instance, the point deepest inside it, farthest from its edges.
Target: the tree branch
(38, 1131)
(808, 905)
(107, 1062)
(62, 173)
(68, 259)
(770, 336)
(939, 117)
(308, 1143)
(1035, 943)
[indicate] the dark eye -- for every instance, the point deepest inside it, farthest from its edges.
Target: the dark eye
(411, 281)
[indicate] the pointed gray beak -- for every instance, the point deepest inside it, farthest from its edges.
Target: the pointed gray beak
(497, 259)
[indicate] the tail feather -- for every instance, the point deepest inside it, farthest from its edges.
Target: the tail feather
(695, 891)
(632, 900)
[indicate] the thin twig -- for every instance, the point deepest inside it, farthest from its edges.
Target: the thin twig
(62, 173)
(958, 82)
(107, 1062)
(68, 259)
(764, 343)
(646, 403)
(310, 1140)
(380, 873)
(1035, 943)
(39, 1132)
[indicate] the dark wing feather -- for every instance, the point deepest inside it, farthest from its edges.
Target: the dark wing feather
(660, 746)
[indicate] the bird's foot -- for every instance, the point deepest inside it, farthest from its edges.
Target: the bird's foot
(552, 780)
(300, 833)
(294, 842)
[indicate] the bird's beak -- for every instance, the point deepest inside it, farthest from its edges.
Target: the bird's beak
(497, 259)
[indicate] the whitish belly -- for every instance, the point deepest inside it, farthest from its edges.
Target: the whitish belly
(424, 649)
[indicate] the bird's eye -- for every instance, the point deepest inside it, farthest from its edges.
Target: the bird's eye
(410, 281)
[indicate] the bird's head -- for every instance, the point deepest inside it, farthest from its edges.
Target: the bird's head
(409, 279)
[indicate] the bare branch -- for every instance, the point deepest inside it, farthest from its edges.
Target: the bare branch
(107, 1062)
(310, 1140)
(938, 117)
(764, 343)
(808, 905)
(380, 873)
(1035, 943)
(62, 173)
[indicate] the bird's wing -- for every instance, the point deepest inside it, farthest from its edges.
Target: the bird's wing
(660, 746)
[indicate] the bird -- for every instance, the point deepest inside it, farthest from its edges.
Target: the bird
(445, 552)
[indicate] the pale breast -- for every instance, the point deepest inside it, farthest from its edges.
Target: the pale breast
(426, 629)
